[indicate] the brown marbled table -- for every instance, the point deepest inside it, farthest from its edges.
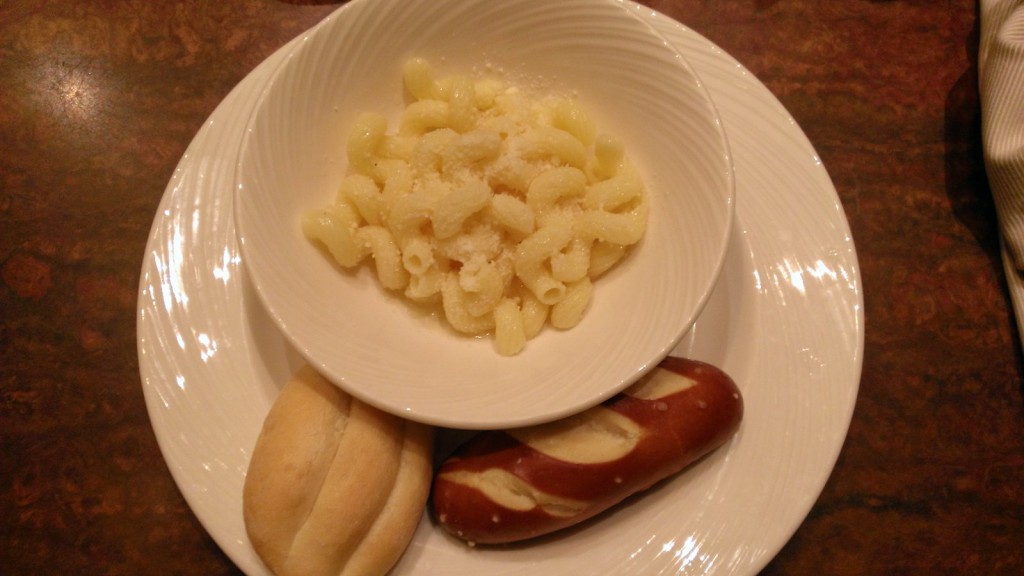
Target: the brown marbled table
(98, 100)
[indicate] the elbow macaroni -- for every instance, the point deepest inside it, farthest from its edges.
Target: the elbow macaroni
(498, 207)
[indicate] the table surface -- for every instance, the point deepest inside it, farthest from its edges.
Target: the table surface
(98, 101)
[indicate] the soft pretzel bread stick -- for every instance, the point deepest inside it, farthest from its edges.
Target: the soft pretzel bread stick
(518, 484)
(334, 486)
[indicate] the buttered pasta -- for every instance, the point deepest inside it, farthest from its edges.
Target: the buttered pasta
(500, 207)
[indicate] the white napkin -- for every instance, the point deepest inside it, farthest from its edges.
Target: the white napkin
(1001, 79)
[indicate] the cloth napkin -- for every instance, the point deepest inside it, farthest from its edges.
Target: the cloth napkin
(1001, 83)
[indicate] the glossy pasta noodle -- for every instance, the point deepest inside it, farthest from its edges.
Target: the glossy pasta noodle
(499, 207)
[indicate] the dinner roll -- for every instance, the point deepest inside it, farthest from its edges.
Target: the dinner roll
(334, 486)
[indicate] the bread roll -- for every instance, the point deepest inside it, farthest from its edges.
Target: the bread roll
(334, 486)
(506, 486)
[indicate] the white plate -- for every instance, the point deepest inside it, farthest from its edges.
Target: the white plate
(396, 356)
(786, 321)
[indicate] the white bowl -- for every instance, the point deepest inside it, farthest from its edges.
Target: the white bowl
(383, 350)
